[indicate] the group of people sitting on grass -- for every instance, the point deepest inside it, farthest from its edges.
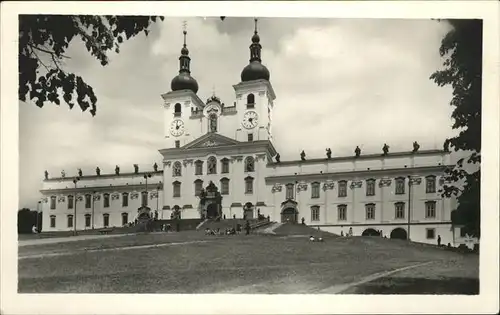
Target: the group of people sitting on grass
(229, 231)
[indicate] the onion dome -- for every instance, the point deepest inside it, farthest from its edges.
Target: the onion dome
(184, 80)
(255, 70)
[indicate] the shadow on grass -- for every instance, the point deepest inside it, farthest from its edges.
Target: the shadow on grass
(389, 285)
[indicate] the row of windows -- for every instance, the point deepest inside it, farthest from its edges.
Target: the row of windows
(88, 219)
(399, 211)
(212, 166)
(430, 187)
(224, 184)
(250, 104)
(105, 200)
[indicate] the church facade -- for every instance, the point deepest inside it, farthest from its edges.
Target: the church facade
(220, 161)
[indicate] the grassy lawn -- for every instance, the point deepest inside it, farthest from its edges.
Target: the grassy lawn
(223, 264)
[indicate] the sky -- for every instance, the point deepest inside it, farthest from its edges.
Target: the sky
(338, 82)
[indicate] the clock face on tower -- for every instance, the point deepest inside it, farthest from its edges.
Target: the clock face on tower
(250, 120)
(177, 128)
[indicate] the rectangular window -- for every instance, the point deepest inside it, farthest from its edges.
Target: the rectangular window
(315, 213)
(370, 212)
(343, 188)
(177, 190)
(430, 184)
(70, 202)
(248, 186)
(52, 202)
(315, 190)
(106, 200)
(106, 219)
(342, 211)
(430, 209)
(400, 210)
(125, 200)
(198, 185)
(124, 218)
(52, 221)
(225, 187)
(177, 143)
(431, 233)
(289, 191)
(250, 137)
(70, 221)
(87, 220)
(88, 201)
(225, 166)
(400, 186)
(370, 187)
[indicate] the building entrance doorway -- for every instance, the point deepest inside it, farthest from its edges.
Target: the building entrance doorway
(210, 202)
(248, 210)
(399, 233)
(370, 232)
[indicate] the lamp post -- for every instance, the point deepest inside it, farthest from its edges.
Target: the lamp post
(146, 176)
(37, 215)
(75, 180)
(409, 205)
(158, 200)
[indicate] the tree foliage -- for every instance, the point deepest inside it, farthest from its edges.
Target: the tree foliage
(461, 49)
(43, 41)
(26, 219)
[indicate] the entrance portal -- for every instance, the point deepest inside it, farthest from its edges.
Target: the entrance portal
(210, 202)
(248, 211)
(399, 233)
(289, 215)
(212, 210)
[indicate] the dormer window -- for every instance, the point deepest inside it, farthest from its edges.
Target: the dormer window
(250, 100)
(177, 110)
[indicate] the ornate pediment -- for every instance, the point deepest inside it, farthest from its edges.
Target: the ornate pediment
(211, 140)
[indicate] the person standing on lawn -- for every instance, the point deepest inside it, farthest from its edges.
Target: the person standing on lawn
(247, 227)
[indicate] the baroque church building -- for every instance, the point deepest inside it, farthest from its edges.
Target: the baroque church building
(220, 161)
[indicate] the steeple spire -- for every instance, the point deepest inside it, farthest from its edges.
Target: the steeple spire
(255, 70)
(255, 47)
(184, 81)
(184, 59)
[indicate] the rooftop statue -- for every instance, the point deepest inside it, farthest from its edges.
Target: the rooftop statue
(80, 173)
(155, 167)
(46, 174)
(357, 151)
(63, 174)
(303, 155)
(446, 146)
(328, 153)
(385, 149)
(136, 168)
(416, 146)
(117, 170)
(98, 171)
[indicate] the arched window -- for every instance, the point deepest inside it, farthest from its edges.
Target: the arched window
(144, 198)
(225, 165)
(125, 199)
(70, 202)
(342, 188)
(213, 123)
(70, 220)
(289, 191)
(430, 209)
(198, 167)
(370, 187)
(250, 100)
(87, 220)
(52, 221)
(370, 211)
(249, 185)
(105, 219)
(88, 201)
(400, 210)
(198, 186)
(224, 184)
(177, 109)
(106, 200)
(52, 202)
(177, 189)
(212, 165)
(430, 184)
(124, 218)
(400, 186)
(315, 190)
(177, 169)
(249, 164)
(342, 212)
